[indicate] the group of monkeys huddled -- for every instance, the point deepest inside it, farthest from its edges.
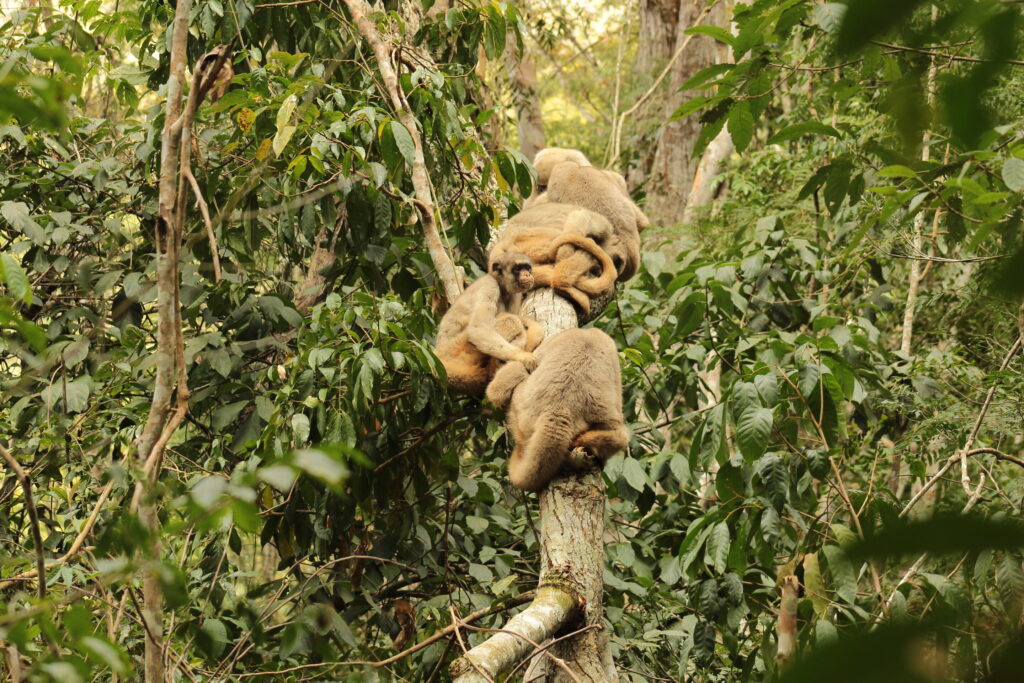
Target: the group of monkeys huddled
(579, 234)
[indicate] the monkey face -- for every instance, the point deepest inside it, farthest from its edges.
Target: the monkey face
(514, 272)
(522, 275)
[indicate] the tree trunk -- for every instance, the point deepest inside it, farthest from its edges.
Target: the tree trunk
(569, 601)
(522, 75)
(669, 171)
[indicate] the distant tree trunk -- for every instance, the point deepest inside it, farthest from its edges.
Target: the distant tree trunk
(522, 75)
(569, 592)
(668, 170)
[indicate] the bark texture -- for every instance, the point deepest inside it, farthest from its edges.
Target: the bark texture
(669, 171)
(522, 75)
(569, 605)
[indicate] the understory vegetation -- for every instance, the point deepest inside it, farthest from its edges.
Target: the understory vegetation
(821, 369)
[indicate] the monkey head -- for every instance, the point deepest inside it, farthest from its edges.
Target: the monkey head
(514, 271)
(549, 157)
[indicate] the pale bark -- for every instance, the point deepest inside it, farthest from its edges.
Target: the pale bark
(710, 377)
(702, 192)
(570, 588)
(914, 279)
(169, 354)
(420, 180)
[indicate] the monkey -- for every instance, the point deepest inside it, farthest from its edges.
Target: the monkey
(604, 193)
(547, 158)
(566, 245)
(467, 336)
(523, 333)
(572, 400)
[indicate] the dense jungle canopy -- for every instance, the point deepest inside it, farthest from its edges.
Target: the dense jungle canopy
(227, 232)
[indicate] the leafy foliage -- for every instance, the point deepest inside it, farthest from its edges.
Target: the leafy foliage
(324, 481)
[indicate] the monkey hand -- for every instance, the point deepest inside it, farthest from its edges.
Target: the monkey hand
(528, 359)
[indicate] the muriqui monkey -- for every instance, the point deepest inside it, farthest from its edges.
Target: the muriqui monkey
(572, 400)
(483, 320)
(604, 193)
(549, 157)
(567, 245)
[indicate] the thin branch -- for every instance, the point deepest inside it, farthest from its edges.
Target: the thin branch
(76, 545)
(966, 450)
(446, 631)
(205, 210)
(943, 55)
(33, 514)
(616, 140)
(420, 180)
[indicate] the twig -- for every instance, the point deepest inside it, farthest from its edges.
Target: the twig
(33, 514)
(617, 124)
(966, 450)
(456, 625)
(76, 545)
(942, 55)
(420, 180)
(205, 210)
(591, 627)
(447, 630)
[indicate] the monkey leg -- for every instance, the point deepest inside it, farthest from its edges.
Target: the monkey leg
(534, 463)
(534, 333)
(505, 381)
(466, 368)
(603, 442)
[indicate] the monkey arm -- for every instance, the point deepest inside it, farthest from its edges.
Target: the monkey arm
(481, 330)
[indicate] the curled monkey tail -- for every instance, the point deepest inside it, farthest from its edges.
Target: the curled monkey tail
(535, 462)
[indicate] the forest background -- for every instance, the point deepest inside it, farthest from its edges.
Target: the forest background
(821, 354)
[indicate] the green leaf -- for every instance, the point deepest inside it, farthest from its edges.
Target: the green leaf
(634, 474)
(73, 396)
(897, 171)
(942, 533)
(404, 142)
(866, 20)
(16, 213)
(12, 274)
(716, 32)
(705, 75)
(103, 651)
(800, 129)
(284, 129)
(1013, 174)
(772, 472)
(716, 553)
(319, 464)
(741, 125)
(300, 427)
(753, 427)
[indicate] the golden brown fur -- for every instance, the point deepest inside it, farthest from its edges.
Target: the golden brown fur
(572, 400)
(567, 246)
(549, 157)
(477, 327)
(605, 193)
